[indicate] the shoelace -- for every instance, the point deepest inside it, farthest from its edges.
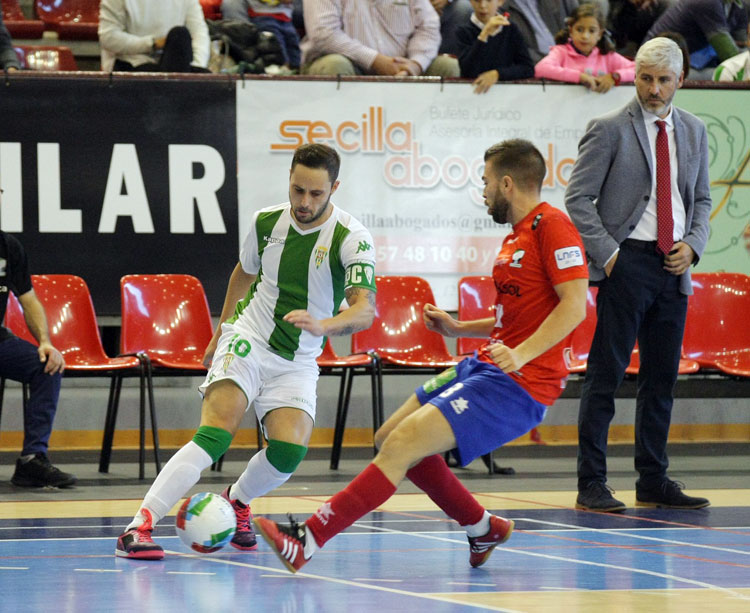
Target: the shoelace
(243, 516)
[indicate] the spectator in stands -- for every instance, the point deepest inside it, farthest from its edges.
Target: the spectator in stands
(8, 58)
(538, 21)
(640, 242)
(143, 35)
(350, 37)
(713, 29)
(453, 14)
(585, 53)
(490, 48)
(630, 20)
(736, 68)
(271, 16)
(39, 367)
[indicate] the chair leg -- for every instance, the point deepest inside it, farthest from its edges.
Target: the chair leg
(154, 426)
(109, 423)
(142, 423)
(342, 408)
(379, 375)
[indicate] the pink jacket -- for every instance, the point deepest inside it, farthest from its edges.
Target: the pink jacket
(564, 63)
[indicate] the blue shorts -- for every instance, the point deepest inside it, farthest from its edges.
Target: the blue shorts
(484, 407)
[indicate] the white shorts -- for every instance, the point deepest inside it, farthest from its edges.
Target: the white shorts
(268, 380)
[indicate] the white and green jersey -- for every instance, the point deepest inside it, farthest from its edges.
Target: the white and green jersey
(300, 269)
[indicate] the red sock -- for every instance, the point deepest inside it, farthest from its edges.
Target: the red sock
(367, 491)
(435, 479)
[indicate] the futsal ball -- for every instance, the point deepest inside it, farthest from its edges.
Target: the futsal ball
(206, 522)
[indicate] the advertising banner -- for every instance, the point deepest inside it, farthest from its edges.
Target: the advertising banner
(412, 159)
(103, 179)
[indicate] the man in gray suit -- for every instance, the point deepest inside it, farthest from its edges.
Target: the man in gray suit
(640, 243)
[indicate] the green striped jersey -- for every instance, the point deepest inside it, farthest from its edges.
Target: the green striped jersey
(300, 269)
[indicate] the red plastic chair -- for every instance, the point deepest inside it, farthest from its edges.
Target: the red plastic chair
(398, 335)
(476, 300)
(166, 322)
(211, 9)
(717, 334)
(65, 61)
(74, 331)
(347, 367)
(71, 19)
(17, 24)
(580, 344)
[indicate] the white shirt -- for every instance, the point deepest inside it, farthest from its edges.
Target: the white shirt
(360, 29)
(127, 29)
(645, 230)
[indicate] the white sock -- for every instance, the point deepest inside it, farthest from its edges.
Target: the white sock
(480, 528)
(310, 546)
(259, 478)
(178, 475)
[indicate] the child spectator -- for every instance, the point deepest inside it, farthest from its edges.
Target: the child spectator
(491, 48)
(585, 53)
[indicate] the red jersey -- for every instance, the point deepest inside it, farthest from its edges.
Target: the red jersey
(543, 250)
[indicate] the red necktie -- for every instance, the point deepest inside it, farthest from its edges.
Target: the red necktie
(664, 221)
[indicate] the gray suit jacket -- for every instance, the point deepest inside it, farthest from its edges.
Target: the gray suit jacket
(610, 184)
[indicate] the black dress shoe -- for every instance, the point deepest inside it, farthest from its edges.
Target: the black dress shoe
(597, 496)
(668, 495)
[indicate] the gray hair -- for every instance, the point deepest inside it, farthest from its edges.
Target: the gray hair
(660, 52)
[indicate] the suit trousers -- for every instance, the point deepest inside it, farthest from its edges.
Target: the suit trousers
(19, 361)
(639, 300)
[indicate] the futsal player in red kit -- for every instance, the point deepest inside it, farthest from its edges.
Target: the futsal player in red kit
(486, 400)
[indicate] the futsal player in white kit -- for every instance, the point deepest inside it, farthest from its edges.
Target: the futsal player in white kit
(299, 261)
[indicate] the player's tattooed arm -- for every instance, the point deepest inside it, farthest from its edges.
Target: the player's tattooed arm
(357, 317)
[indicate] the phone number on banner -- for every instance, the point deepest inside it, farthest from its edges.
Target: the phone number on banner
(409, 254)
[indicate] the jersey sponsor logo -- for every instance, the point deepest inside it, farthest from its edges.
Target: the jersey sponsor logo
(320, 256)
(459, 405)
(568, 257)
(274, 239)
(363, 246)
(509, 288)
(360, 274)
(516, 258)
(302, 400)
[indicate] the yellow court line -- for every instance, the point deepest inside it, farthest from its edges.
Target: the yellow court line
(309, 504)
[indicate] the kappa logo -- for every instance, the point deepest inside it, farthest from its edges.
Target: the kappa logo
(320, 256)
(567, 257)
(363, 246)
(516, 258)
(325, 513)
(459, 405)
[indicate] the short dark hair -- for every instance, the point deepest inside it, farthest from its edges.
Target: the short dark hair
(520, 159)
(318, 155)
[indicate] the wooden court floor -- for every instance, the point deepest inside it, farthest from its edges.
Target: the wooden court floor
(57, 549)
